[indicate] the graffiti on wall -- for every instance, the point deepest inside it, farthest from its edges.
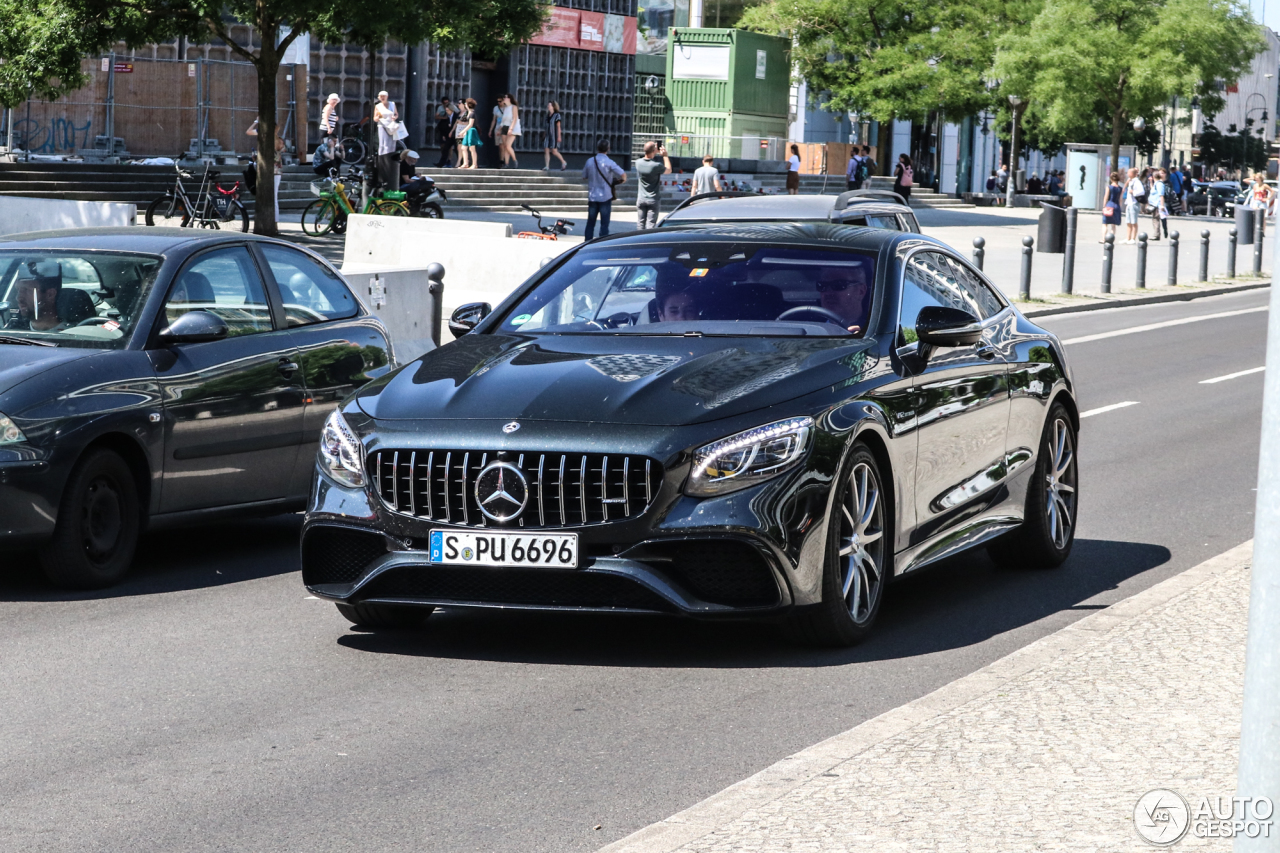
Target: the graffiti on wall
(58, 135)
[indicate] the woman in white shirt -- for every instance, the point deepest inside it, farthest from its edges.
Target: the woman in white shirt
(793, 171)
(1132, 192)
(511, 131)
(387, 119)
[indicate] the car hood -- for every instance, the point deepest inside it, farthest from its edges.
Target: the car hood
(18, 363)
(619, 379)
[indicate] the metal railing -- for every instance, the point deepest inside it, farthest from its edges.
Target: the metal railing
(720, 147)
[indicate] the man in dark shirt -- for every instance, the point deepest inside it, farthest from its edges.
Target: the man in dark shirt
(649, 195)
(37, 288)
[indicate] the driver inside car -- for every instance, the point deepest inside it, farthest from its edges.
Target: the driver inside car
(38, 286)
(677, 305)
(843, 291)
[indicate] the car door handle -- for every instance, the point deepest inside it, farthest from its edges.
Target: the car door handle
(986, 351)
(287, 367)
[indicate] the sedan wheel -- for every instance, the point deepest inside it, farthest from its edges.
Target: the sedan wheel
(1049, 527)
(98, 523)
(857, 564)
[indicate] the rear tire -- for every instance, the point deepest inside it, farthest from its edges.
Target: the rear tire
(431, 211)
(367, 615)
(238, 211)
(1048, 529)
(390, 208)
(858, 560)
(98, 522)
(168, 212)
(320, 217)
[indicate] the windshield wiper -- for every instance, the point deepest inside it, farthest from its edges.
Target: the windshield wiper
(32, 342)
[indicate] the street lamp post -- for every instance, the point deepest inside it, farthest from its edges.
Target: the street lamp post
(1016, 103)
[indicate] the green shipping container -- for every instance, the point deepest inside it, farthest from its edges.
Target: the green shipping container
(728, 71)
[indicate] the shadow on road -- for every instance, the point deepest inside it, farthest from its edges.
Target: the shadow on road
(959, 603)
(173, 560)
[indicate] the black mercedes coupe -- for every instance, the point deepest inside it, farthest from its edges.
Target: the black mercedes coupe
(153, 376)
(750, 420)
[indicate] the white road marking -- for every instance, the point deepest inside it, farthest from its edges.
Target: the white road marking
(1084, 339)
(1103, 409)
(1235, 375)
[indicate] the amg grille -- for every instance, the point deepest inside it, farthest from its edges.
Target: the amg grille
(533, 587)
(564, 489)
(338, 555)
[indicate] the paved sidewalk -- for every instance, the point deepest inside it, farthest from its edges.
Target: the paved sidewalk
(1046, 749)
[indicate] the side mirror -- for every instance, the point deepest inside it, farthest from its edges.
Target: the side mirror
(467, 317)
(947, 327)
(194, 327)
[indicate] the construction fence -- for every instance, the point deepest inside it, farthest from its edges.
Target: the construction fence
(140, 107)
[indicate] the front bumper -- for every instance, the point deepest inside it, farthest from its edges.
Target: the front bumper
(31, 483)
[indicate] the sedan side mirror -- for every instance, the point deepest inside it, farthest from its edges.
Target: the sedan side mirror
(940, 326)
(467, 317)
(194, 327)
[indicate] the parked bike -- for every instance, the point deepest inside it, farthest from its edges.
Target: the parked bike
(211, 207)
(329, 212)
(425, 198)
(354, 144)
(545, 232)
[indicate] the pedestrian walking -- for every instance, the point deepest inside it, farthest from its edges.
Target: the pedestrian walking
(278, 165)
(602, 176)
(706, 178)
(1111, 207)
(853, 180)
(446, 118)
(1261, 196)
(1157, 201)
(1133, 194)
(330, 121)
(903, 178)
(469, 137)
(649, 174)
(554, 138)
(511, 131)
(868, 167)
(1173, 192)
(1187, 186)
(496, 132)
(793, 171)
(1002, 177)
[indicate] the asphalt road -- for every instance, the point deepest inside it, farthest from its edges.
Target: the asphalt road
(208, 704)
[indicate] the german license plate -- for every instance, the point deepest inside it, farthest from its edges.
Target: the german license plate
(479, 548)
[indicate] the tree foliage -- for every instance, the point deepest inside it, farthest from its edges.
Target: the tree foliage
(1233, 149)
(1082, 61)
(42, 42)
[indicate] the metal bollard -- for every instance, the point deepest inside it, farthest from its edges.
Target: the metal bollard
(979, 252)
(1069, 259)
(1142, 261)
(1231, 253)
(1257, 240)
(1204, 255)
(1108, 251)
(1024, 287)
(1173, 258)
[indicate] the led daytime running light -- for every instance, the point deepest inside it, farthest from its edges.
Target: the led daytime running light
(340, 452)
(9, 432)
(716, 470)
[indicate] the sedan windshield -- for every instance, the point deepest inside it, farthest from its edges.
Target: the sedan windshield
(72, 298)
(714, 289)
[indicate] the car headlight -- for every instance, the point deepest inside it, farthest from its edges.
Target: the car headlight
(749, 457)
(9, 432)
(340, 452)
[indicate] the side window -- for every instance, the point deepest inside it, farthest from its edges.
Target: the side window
(987, 300)
(311, 292)
(884, 220)
(224, 282)
(932, 279)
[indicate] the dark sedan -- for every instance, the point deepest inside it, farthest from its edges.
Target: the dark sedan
(730, 420)
(161, 376)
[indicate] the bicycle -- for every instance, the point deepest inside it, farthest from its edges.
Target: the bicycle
(353, 143)
(212, 207)
(545, 232)
(330, 210)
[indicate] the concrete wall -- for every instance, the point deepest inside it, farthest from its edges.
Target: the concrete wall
(45, 214)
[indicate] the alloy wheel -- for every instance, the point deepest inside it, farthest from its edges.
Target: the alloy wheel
(1060, 484)
(861, 542)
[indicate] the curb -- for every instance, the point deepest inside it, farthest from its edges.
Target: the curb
(796, 770)
(1171, 296)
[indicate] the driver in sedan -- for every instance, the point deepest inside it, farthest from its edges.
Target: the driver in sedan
(843, 291)
(38, 286)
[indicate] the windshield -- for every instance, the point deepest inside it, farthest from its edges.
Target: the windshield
(78, 298)
(714, 289)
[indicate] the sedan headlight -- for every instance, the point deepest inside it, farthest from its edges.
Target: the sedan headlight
(9, 432)
(749, 457)
(340, 452)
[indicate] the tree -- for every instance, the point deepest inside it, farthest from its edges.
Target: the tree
(43, 41)
(1124, 59)
(1233, 148)
(895, 59)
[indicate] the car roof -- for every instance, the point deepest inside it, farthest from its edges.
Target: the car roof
(768, 207)
(148, 240)
(819, 235)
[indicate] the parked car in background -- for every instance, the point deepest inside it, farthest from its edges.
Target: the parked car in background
(1213, 199)
(160, 376)
(873, 208)
(733, 420)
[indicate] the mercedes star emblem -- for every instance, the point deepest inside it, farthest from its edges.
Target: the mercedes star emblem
(511, 427)
(502, 491)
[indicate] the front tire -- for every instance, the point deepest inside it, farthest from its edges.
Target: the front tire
(98, 522)
(238, 211)
(1048, 529)
(320, 217)
(168, 212)
(857, 562)
(367, 615)
(431, 211)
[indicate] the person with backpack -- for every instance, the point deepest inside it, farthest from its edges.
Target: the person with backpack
(903, 178)
(867, 168)
(852, 181)
(1157, 199)
(602, 176)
